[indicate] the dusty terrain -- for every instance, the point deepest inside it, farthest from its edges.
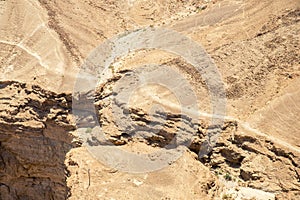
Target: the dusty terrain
(45, 154)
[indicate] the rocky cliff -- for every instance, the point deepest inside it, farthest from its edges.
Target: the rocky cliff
(35, 135)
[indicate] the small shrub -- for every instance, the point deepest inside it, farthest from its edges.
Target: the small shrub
(227, 196)
(88, 130)
(112, 68)
(227, 177)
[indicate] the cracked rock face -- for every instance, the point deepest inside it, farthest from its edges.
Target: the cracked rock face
(34, 139)
(241, 157)
(134, 121)
(256, 162)
(255, 45)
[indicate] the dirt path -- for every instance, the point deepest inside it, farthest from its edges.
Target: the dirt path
(244, 125)
(33, 54)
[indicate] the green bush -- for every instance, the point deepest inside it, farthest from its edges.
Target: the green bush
(227, 177)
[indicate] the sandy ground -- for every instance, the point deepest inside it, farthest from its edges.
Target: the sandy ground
(254, 44)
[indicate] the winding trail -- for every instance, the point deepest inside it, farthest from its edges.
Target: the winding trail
(243, 124)
(35, 55)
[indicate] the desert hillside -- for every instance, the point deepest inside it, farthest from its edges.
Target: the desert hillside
(157, 99)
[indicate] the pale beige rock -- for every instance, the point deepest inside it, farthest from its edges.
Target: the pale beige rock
(255, 45)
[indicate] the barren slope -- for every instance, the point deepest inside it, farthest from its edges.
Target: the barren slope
(254, 44)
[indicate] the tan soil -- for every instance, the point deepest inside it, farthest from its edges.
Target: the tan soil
(254, 44)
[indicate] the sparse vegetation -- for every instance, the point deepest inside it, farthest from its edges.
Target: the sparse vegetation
(218, 172)
(227, 196)
(88, 130)
(112, 68)
(228, 177)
